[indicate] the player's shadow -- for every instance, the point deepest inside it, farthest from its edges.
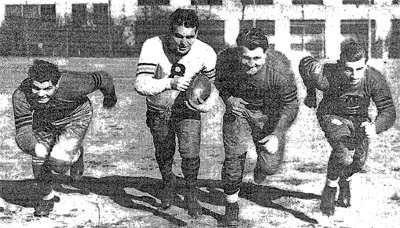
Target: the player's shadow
(210, 192)
(24, 193)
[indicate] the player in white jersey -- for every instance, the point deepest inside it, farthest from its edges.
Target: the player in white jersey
(167, 65)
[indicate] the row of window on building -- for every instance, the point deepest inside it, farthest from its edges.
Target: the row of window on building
(47, 13)
(259, 2)
(306, 35)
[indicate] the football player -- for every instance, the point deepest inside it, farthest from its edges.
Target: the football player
(348, 85)
(258, 88)
(52, 114)
(167, 65)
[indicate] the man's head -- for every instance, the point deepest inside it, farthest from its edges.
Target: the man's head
(184, 24)
(44, 77)
(353, 62)
(254, 45)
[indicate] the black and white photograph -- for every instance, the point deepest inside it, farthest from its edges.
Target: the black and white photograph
(199, 113)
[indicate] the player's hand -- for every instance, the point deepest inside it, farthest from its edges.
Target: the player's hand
(310, 101)
(40, 151)
(180, 83)
(236, 106)
(370, 129)
(270, 143)
(110, 99)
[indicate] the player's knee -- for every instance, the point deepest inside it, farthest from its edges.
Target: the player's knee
(344, 158)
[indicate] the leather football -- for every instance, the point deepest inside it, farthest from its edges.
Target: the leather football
(199, 90)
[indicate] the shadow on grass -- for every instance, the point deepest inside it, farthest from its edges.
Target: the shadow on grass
(23, 193)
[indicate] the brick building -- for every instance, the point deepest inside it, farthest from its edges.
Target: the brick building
(118, 27)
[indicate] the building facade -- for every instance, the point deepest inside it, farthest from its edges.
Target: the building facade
(119, 27)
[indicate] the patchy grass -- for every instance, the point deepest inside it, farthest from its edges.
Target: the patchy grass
(121, 187)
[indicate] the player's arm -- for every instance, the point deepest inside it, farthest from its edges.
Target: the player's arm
(75, 84)
(105, 83)
(210, 60)
(286, 87)
(312, 73)
(224, 80)
(23, 117)
(382, 97)
(146, 84)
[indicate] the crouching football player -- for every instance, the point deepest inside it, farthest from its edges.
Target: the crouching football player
(347, 85)
(52, 114)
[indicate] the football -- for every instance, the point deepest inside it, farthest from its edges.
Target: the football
(199, 90)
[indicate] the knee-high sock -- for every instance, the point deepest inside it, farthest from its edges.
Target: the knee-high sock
(190, 170)
(42, 175)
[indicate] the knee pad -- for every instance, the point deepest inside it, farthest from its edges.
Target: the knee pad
(343, 157)
(59, 166)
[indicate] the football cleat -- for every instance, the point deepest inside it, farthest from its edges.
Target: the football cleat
(328, 200)
(231, 218)
(44, 208)
(193, 205)
(344, 194)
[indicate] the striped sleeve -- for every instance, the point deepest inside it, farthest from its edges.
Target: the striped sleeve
(146, 83)
(312, 74)
(209, 63)
(284, 82)
(23, 117)
(382, 97)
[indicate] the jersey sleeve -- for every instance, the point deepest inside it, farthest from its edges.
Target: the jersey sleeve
(313, 73)
(210, 59)
(283, 81)
(224, 79)
(382, 97)
(146, 83)
(23, 117)
(76, 84)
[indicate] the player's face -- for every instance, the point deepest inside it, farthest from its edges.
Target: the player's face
(43, 91)
(253, 60)
(183, 38)
(354, 71)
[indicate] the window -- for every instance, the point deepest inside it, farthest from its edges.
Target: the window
(79, 14)
(100, 14)
(13, 11)
(358, 31)
(307, 2)
(206, 2)
(153, 2)
(212, 32)
(267, 25)
(257, 2)
(31, 11)
(308, 35)
(48, 12)
(394, 45)
(358, 2)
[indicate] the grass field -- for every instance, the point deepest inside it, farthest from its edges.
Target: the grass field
(122, 182)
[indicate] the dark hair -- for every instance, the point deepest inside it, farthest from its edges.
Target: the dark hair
(43, 71)
(352, 52)
(252, 39)
(186, 17)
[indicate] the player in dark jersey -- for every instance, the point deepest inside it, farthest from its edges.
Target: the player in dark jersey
(258, 88)
(52, 114)
(348, 85)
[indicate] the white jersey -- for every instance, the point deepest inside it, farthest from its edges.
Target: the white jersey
(157, 65)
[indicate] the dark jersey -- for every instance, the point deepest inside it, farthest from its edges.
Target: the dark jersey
(64, 106)
(272, 90)
(344, 99)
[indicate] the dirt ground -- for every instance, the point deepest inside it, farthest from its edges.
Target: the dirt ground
(121, 187)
